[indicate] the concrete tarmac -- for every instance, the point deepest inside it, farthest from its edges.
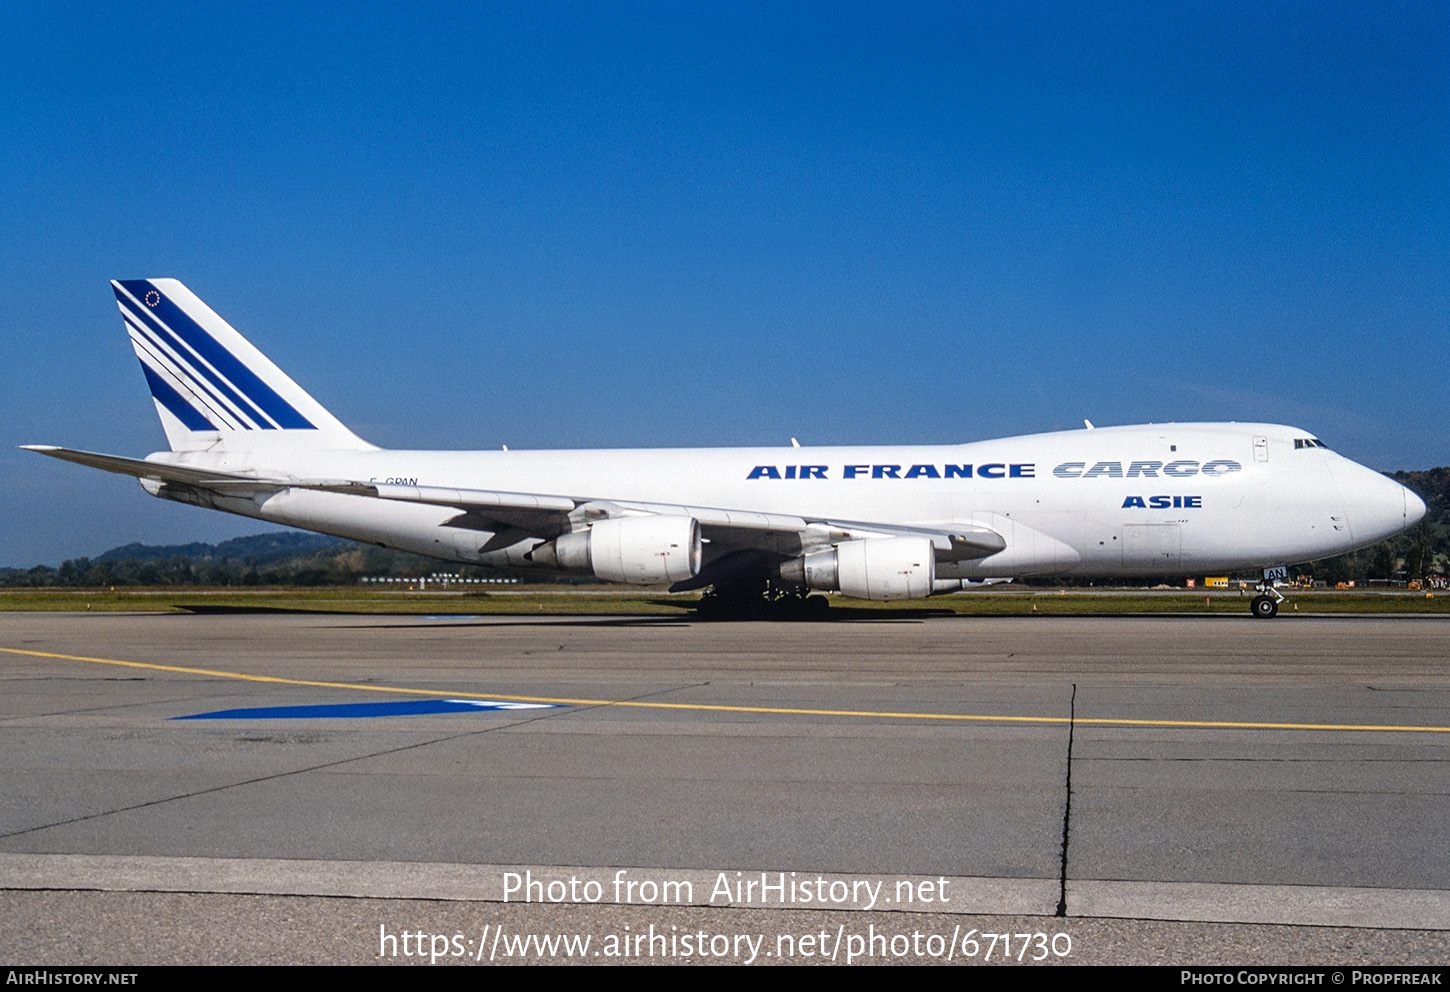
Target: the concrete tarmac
(1272, 786)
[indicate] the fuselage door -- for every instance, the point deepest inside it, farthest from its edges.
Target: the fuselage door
(1261, 449)
(1153, 547)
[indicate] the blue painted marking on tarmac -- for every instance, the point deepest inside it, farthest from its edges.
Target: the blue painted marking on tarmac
(354, 711)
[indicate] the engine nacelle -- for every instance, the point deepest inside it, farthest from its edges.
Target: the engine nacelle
(882, 569)
(639, 550)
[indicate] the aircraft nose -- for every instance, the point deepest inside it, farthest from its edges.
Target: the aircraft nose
(1379, 507)
(1414, 508)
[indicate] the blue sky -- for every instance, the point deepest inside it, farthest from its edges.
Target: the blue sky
(640, 224)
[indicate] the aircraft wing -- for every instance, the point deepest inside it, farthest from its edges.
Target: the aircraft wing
(549, 516)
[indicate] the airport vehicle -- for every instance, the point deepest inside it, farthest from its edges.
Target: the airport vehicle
(753, 524)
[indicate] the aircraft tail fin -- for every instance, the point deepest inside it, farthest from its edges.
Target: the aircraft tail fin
(212, 387)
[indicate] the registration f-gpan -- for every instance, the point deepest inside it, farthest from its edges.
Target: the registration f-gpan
(879, 523)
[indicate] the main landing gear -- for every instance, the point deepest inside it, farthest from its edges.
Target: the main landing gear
(761, 601)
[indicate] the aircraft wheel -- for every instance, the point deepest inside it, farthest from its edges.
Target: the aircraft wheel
(1264, 607)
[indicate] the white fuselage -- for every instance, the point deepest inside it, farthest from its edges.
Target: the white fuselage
(1148, 500)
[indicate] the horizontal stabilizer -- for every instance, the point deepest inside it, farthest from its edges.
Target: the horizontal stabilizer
(224, 482)
(138, 467)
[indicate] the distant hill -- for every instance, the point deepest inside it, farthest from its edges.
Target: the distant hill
(259, 549)
(280, 558)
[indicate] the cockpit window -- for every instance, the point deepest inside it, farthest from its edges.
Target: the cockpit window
(1310, 442)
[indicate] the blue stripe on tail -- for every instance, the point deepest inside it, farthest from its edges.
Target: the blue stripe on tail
(209, 398)
(173, 401)
(180, 323)
(152, 325)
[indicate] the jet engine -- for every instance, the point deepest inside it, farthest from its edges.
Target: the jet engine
(881, 569)
(641, 550)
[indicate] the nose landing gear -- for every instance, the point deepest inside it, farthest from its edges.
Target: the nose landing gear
(1265, 606)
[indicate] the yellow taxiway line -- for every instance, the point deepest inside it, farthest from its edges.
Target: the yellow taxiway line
(716, 708)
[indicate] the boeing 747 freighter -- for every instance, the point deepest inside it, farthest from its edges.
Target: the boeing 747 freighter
(877, 523)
